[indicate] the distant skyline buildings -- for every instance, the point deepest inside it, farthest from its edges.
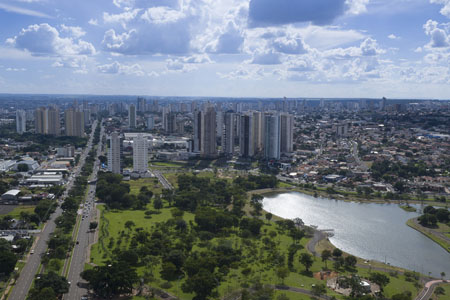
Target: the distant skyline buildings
(74, 122)
(115, 148)
(132, 116)
(140, 154)
(47, 121)
(21, 119)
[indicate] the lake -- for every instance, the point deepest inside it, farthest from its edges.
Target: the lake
(371, 231)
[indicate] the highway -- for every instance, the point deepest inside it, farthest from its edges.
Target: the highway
(84, 236)
(23, 283)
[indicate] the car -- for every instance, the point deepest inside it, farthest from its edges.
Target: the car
(32, 252)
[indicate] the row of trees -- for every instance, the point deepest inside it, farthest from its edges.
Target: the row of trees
(431, 216)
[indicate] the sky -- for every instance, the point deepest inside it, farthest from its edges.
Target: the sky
(227, 48)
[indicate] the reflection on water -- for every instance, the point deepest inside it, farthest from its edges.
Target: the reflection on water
(367, 230)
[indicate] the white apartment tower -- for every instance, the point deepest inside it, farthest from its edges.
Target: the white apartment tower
(272, 136)
(228, 134)
(132, 116)
(287, 133)
(21, 121)
(115, 153)
(140, 154)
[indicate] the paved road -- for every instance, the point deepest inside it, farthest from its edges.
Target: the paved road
(165, 183)
(428, 289)
(77, 287)
(23, 283)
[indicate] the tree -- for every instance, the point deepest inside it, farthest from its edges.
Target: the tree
(350, 261)
(380, 279)
(202, 284)
(93, 225)
(129, 224)
(442, 275)
(439, 291)
(168, 271)
(319, 289)
(269, 216)
(113, 279)
(7, 261)
(326, 254)
(282, 297)
(337, 252)
(52, 280)
(157, 203)
(306, 260)
(282, 273)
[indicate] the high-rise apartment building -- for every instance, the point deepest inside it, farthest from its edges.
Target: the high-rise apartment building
(21, 119)
(165, 118)
(246, 142)
(140, 154)
(171, 120)
(286, 133)
(272, 136)
(141, 105)
(132, 116)
(74, 122)
(115, 153)
(258, 129)
(150, 123)
(228, 134)
(209, 145)
(46, 121)
(198, 131)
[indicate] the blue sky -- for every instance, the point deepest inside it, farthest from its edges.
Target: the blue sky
(234, 48)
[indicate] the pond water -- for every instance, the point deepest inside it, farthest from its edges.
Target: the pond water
(368, 230)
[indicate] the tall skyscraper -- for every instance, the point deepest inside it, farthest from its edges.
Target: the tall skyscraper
(74, 122)
(165, 118)
(171, 119)
(209, 145)
(132, 116)
(141, 104)
(115, 153)
(53, 122)
(140, 154)
(287, 133)
(40, 120)
(46, 121)
(258, 126)
(228, 134)
(198, 131)
(272, 136)
(21, 121)
(150, 123)
(246, 136)
(219, 126)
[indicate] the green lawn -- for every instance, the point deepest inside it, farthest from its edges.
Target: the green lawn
(15, 213)
(167, 164)
(447, 292)
(151, 183)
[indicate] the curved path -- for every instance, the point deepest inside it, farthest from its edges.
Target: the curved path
(428, 289)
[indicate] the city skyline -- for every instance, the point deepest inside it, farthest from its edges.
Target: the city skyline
(397, 49)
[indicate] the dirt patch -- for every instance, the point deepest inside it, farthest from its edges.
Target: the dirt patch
(325, 275)
(5, 209)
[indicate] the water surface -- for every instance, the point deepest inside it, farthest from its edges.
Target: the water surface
(368, 230)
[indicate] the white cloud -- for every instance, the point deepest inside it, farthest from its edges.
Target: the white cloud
(439, 37)
(15, 69)
(161, 15)
(23, 11)
(176, 65)
(266, 58)
(393, 37)
(122, 18)
(44, 40)
(357, 7)
(444, 10)
(93, 22)
(118, 68)
(289, 45)
(74, 31)
(369, 47)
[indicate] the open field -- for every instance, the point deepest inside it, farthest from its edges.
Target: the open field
(15, 213)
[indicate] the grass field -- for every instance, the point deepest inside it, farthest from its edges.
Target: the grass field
(167, 164)
(15, 213)
(446, 295)
(151, 183)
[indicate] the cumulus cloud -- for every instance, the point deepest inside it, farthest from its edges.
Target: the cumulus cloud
(118, 68)
(445, 10)
(122, 18)
(369, 47)
(177, 65)
(439, 37)
(230, 41)
(74, 31)
(44, 39)
(162, 15)
(289, 45)
(392, 37)
(357, 7)
(264, 13)
(266, 58)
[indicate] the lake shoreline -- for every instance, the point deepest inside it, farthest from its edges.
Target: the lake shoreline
(428, 233)
(395, 265)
